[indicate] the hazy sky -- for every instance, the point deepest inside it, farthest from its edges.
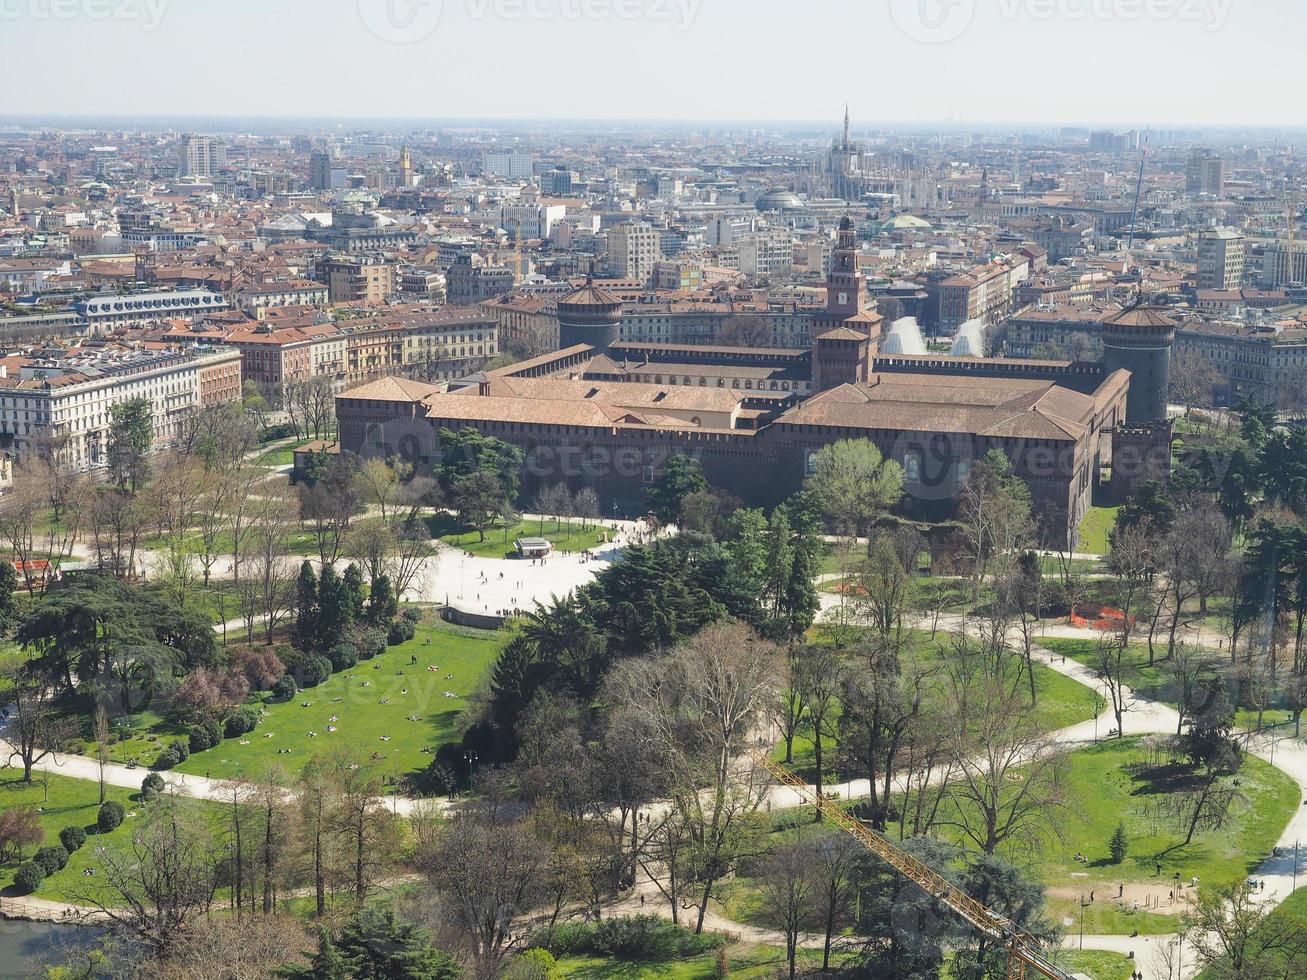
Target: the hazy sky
(1123, 61)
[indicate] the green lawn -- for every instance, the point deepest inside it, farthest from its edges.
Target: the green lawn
(71, 802)
(372, 704)
(1099, 792)
(499, 539)
(745, 961)
(276, 457)
(1094, 530)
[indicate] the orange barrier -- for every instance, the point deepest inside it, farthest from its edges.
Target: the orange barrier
(1105, 619)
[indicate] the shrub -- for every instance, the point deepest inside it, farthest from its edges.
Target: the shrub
(721, 969)
(571, 937)
(343, 656)
(204, 736)
(51, 858)
(110, 816)
(72, 838)
(285, 688)
(400, 631)
(28, 877)
(645, 938)
(168, 757)
(312, 671)
(239, 722)
(152, 786)
(411, 614)
(533, 964)
(371, 643)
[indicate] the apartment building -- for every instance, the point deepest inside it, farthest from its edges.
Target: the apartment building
(103, 313)
(634, 248)
(362, 279)
(70, 400)
(291, 292)
(1220, 259)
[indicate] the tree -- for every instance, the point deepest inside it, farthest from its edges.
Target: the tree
(163, 879)
(1118, 845)
(1214, 755)
(131, 434)
(1237, 937)
(821, 673)
(836, 859)
(1008, 771)
(746, 331)
(374, 945)
(1194, 380)
(480, 500)
(994, 507)
(702, 704)
(36, 730)
(487, 871)
(365, 832)
(329, 505)
(855, 484)
(42, 488)
(20, 828)
(786, 884)
(679, 477)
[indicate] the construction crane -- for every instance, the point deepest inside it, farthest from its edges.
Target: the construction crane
(1022, 950)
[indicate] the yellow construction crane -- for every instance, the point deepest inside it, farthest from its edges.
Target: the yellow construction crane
(1022, 950)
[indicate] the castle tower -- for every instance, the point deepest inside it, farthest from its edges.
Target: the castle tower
(1139, 339)
(846, 337)
(405, 168)
(589, 316)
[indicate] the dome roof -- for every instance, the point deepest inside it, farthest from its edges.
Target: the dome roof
(906, 222)
(778, 199)
(590, 295)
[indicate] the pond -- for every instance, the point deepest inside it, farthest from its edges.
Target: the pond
(27, 946)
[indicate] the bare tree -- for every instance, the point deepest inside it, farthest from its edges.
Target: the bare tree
(36, 731)
(163, 880)
(40, 517)
(820, 676)
(1234, 936)
(267, 591)
(488, 871)
(786, 887)
(702, 705)
(1007, 785)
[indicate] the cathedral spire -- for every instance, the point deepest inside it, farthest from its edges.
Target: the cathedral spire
(846, 125)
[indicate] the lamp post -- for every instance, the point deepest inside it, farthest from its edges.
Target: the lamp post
(470, 758)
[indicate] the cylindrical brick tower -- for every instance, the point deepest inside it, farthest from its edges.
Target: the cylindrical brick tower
(589, 316)
(1139, 339)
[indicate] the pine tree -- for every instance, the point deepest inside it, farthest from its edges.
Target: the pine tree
(1118, 845)
(333, 607)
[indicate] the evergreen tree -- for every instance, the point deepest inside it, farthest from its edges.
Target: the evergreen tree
(383, 604)
(333, 607)
(306, 607)
(352, 584)
(1118, 845)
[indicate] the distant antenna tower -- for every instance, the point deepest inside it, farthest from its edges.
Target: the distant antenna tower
(1290, 219)
(1139, 191)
